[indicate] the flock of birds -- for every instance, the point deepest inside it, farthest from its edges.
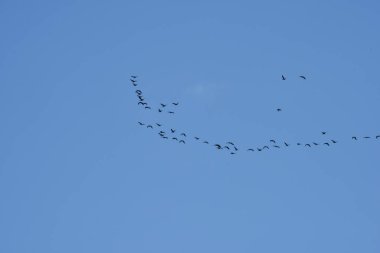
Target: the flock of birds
(229, 146)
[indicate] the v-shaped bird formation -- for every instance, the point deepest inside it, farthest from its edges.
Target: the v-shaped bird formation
(181, 137)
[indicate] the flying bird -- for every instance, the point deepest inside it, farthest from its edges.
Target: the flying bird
(275, 146)
(283, 77)
(230, 143)
(172, 130)
(323, 133)
(273, 141)
(171, 112)
(298, 144)
(175, 138)
(303, 77)
(147, 107)
(197, 138)
(149, 126)
(138, 92)
(279, 109)
(142, 103)
(316, 144)
(175, 103)
(308, 145)
(250, 149)
(134, 77)
(266, 147)
(333, 141)
(377, 136)
(286, 144)
(218, 146)
(232, 153)
(354, 138)
(236, 149)
(182, 141)
(163, 105)
(158, 124)
(141, 124)
(205, 142)
(227, 147)
(326, 143)
(183, 134)
(366, 137)
(159, 110)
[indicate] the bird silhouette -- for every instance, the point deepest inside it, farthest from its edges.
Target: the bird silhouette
(286, 144)
(232, 153)
(275, 146)
(142, 103)
(377, 136)
(303, 77)
(141, 124)
(226, 147)
(172, 130)
(182, 141)
(149, 126)
(147, 107)
(134, 77)
(298, 144)
(266, 147)
(171, 112)
(308, 145)
(183, 134)
(251, 149)
(316, 144)
(333, 141)
(236, 149)
(326, 143)
(231, 143)
(323, 133)
(283, 77)
(165, 137)
(205, 142)
(354, 138)
(138, 92)
(218, 146)
(175, 138)
(279, 109)
(259, 149)
(159, 110)
(197, 138)
(158, 124)
(141, 97)
(273, 141)
(175, 103)
(163, 105)
(366, 137)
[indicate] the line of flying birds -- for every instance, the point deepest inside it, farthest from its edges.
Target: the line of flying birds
(231, 147)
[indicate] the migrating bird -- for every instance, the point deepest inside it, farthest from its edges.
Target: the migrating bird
(316, 144)
(308, 145)
(366, 137)
(141, 124)
(158, 124)
(230, 143)
(182, 141)
(333, 141)
(159, 110)
(273, 141)
(275, 146)
(142, 103)
(173, 130)
(303, 77)
(183, 134)
(197, 138)
(149, 126)
(326, 143)
(236, 149)
(218, 146)
(259, 149)
(298, 144)
(134, 77)
(266, 147)
(139, 92)
(250, 149)
(354, 138)
(175, 138)
(232, 153)
(377, 136)
(205, 142)
(147, 107)
(175, 103)
(283, 77)
(163, 105)
(323, 133)
(286, 144)
(279, 109)
(227, 147)
(141, 97)
(170, 112)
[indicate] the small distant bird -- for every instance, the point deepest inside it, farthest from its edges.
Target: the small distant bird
(259, 149)
(298, 144)
(159, 110)
(182, 141)
(171, 112)
(172, 130)
(161, 132)
(197, 138)
(232, 153)
(165, 137)
(308, 145)
(366, 137)
(230, 143)
(326, 143)
(175, 103)
(205, 142)
(266, 147)
(158, 124)
(273, 141)
(251, 149)
(279, 109)
(286, 144)
(218, 146)
(354, 138)
(149, 126)
(142, 103)
(227, 147)
(316, 144)
(283, 77)
(175, 138)
(377, 136)
(141, 124)
(333, 141)
(138, 92)
(147, 107)
(323, 133)
(134, 77)
(275, 146)
(236, 149)
(303, 77)
(163, 105)
(183, 134)
(141, 98)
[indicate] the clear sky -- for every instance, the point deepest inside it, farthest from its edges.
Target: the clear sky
(78, 174)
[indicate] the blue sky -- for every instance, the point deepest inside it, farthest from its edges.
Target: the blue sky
(77, 173)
